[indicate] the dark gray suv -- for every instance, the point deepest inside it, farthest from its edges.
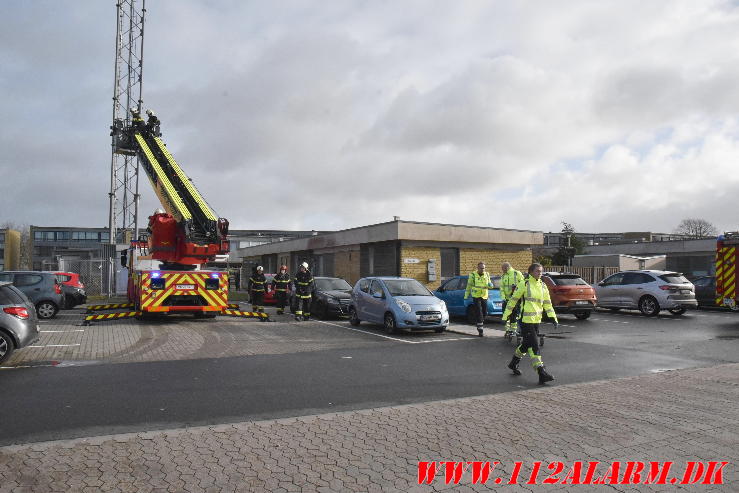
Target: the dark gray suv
(18, 322)
(42, 288)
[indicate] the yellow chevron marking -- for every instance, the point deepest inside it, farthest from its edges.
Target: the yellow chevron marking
(111, 316)
(239, 313)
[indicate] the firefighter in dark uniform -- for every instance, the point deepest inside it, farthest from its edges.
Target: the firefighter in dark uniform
(257, 283)
(303, 291)
(282, 288)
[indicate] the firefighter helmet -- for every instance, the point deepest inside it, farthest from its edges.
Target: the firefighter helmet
(259, 267)
(304, 265)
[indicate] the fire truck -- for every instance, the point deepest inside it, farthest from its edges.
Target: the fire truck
(726, 260)
(166, 268)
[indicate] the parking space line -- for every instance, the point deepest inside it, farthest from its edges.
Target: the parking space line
(394, 338)
(56, 345)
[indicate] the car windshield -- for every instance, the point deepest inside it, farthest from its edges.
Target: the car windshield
(674, 278)
(332, 285)
(406, 287)
(496, 281)
(572, 280)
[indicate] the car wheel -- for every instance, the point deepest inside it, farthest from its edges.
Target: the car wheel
(648, 306)
(353, 318)
(46, 309)
(322, 310)
(6, 346)
(390, 323)
(678, 311)
(582, 315)
(472, 315)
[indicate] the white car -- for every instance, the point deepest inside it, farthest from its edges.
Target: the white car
(648, 291)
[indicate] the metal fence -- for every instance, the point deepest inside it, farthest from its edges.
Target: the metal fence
(591, 275)
(97, 275)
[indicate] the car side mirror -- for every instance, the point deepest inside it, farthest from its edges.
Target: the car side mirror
(378, 295)
(601, 283)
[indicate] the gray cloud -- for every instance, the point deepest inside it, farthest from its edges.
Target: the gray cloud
(610, 115)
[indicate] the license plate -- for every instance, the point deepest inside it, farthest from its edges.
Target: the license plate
(185, 286)
(685, 291)
(427, 318)
(498, 304)
(582, 302)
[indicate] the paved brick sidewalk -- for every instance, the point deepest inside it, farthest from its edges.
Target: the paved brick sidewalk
(673, 416)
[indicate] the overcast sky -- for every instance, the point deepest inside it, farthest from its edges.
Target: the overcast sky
(611, 115)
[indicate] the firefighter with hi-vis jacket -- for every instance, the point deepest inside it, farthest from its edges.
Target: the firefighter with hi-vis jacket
(478, 283)
(535, 301)
(257, 283)
(303, 291)
(282, 287)
(508, 282)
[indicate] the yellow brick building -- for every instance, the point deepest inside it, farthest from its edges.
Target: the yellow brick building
(428, 252)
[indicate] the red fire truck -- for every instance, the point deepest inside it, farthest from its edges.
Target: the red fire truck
(726, 261)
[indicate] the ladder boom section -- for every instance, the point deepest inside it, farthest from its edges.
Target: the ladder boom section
(182, 177)
(166, 192)
(189, 233)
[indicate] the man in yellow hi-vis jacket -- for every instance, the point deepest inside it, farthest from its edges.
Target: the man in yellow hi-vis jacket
(508, 282)
(478, 283)
(536, 301)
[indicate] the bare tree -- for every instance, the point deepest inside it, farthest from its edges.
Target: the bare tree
(696, 228)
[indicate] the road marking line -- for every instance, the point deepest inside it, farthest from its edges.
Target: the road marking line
(606, 320)
(63, 331)
(393, 338)
(56, 345)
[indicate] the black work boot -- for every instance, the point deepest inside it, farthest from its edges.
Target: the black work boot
(544, 377)
(513, 365)
(479, 330)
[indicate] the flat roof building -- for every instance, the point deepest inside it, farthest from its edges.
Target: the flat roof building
(429, 252)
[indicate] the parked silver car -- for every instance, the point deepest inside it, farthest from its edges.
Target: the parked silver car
(648, 291)
(18, 322)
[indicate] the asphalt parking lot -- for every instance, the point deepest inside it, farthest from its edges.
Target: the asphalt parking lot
(709, 334)
(125, 375)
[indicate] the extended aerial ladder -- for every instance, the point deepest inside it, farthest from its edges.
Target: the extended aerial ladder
(166, 268)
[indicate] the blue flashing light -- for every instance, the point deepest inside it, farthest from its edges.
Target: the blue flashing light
(215, 275)
(154, 275)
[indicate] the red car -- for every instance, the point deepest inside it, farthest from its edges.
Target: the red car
(73, 289)
(570, 294)
(269, 290)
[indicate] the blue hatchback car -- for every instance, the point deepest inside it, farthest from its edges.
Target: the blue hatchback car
(397, 303)
(452, 292)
